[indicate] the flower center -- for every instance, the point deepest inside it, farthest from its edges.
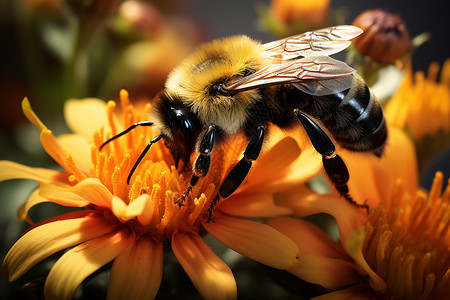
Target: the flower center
(147, 203)
(407, 243)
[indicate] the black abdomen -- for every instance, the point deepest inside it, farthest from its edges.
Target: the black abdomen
(354, 117)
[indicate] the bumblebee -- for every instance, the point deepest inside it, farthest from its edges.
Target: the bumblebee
(236, 85)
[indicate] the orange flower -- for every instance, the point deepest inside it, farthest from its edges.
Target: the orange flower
(421, 104)
(312, 13)
(400, 250)
(129, 224)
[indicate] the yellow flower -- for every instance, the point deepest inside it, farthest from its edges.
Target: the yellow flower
(130, 224)
(399, 251)
(422, 104)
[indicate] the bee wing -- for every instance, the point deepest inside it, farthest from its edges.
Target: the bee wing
(325, 41)
(306, 73)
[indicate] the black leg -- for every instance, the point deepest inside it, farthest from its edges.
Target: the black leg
(240, 170)
(154, 140)
(334, 165)
(144, 123)
(202, 162)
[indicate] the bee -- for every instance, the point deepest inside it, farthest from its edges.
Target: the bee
(236, 85)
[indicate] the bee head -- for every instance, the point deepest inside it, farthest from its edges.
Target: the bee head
(179, 125)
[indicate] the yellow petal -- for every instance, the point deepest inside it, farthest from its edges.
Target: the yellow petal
(33, 200)
(353, 245)
(80, 262)
(248, 204)
(271, 164)
(210, 275)
(373, 178)
(53, 148)
(85, 116)
(62, 195)
(12, 170)
(328, 272)
(137, 272)
(47, 239)
(93, 191)
(256, 241)
(79, 149)
(30, 115)
(304, 202)
(309, 238)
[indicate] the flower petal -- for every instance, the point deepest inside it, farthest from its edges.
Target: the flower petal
(82, 116)
(373, 178)
(305, 202)
(137, 272)
(12, 170)
(353, 245)
(30, 115)
(253, 205)
(61, 195)
(357, 292)
(256, 241)
(80, 262)
(309, 238)
(328, 272)
(94, 191)
(210, 275)
(33, 200)
(53, 148)
(79, 149)
(47, 239)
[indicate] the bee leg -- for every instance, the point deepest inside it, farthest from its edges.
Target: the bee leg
(334, 165)
(202, 162)
(238, 173)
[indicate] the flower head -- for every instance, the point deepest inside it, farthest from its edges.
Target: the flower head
(385, 36)
(131, 224)
(400, 250)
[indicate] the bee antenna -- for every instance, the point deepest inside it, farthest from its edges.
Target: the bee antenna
(144, 123)
(154, 140)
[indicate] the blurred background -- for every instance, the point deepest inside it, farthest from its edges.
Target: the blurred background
(54, 50)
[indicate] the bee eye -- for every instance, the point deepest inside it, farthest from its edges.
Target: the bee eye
(181, 127)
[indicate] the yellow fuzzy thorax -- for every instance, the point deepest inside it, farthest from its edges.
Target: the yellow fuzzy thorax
(219, 61)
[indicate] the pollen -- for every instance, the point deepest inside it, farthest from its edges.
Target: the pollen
(408, 241)
(147, 203)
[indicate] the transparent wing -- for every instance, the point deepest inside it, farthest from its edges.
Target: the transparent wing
(303, 72)
(325, 41)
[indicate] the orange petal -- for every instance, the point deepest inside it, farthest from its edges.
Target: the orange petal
(137, 272)
(373, 178)
(93, 191)
(305, 202)
(357, 292)
(256, 241)
(210, 275)
(80, 262)
(33, 200)
(12, 170)
(353, 245)
(79, 149)
(47, 239)
(249, 204)
(271, 164)
(53, 148)
(30, 115)
(62, 195)
(309, 238)
(328, 272)
(86, 115)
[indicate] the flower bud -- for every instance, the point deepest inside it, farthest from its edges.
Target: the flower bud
(385, 36)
